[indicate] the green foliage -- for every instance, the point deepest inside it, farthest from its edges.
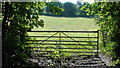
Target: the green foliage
(107, 16)
(84, 9)
(54, 9)
(69, 9)
(54, 5)
(117, 61)
(18, 19)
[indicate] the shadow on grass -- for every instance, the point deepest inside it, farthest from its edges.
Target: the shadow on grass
(67, 16)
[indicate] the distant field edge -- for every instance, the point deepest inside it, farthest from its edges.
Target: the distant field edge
(68, 31)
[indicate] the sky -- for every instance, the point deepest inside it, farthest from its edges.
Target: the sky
(75, 1)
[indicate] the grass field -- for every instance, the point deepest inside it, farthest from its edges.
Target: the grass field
(66, 24)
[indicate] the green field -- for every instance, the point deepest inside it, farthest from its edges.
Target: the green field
(66, 24)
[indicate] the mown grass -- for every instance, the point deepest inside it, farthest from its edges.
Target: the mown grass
(66, 24)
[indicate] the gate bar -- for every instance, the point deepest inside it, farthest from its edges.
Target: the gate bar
(67, 31)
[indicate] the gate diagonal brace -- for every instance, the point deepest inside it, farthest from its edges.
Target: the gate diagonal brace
(76, 41)
(48, 38)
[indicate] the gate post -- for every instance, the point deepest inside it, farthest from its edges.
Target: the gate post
(97, 41)
(59, 38)
(59, 41)
(103, 38)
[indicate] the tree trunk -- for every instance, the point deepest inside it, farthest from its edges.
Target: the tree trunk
(4, 21)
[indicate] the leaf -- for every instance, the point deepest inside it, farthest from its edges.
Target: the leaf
(87, 10)
(36, 11)
(41, 23)
(92, 12)
(27, 8)
(86, 2)
(82, 8)
(62, 9)
(88, 14)
(23, 47)
(102, 6)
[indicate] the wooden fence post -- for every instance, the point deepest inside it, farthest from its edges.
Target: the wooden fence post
(4, 60)
(97, 41)
(59, 41)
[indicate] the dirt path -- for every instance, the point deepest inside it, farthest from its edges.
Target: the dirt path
(106, 59)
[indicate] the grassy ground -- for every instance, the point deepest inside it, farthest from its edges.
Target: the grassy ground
(66, 24)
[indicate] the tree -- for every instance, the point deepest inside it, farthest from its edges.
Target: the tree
(47, 9)
(83, 13)
(70, 9)
(107, 15)
(19, 17)
(59, 4)
(56, 4)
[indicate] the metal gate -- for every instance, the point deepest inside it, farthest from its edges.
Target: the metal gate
(64, 48)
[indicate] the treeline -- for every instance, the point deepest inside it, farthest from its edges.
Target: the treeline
(70, 9)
